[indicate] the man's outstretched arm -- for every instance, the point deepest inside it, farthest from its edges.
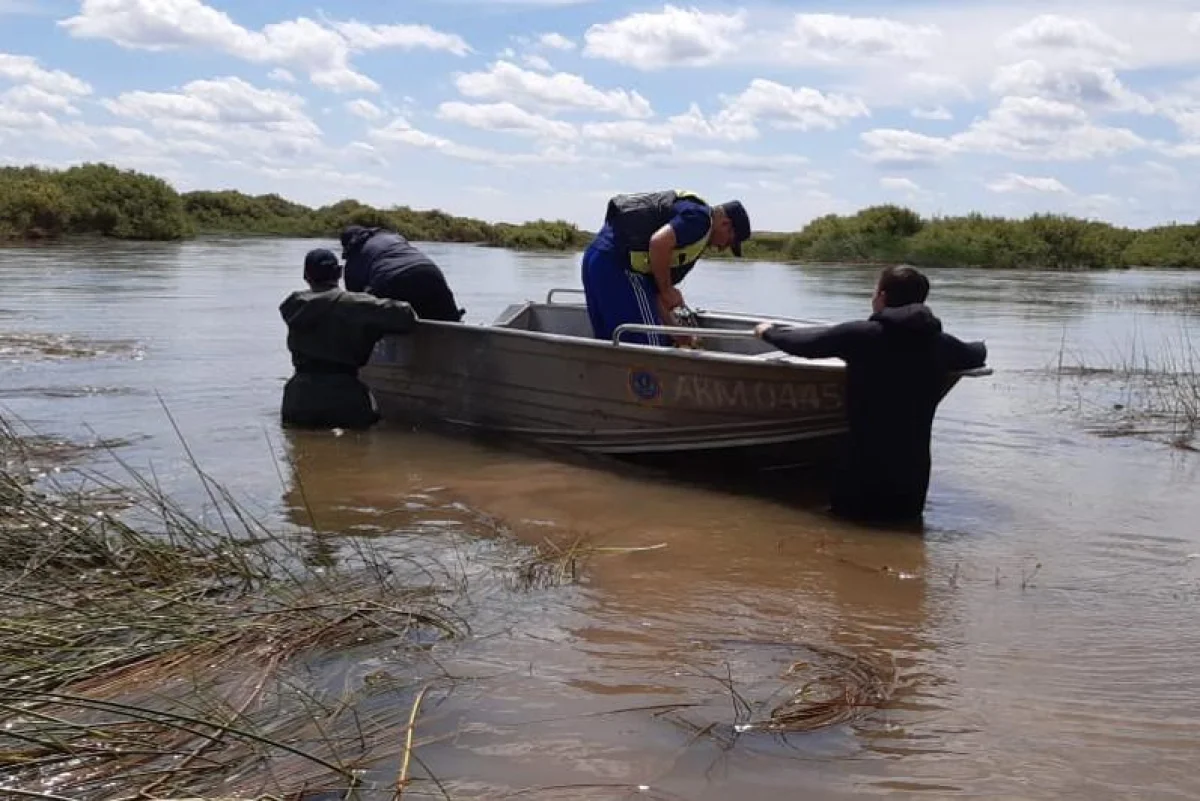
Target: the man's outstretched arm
(813, 343)
(963, 355)
(386, 315)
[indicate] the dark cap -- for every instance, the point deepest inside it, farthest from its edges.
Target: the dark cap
(737, 215)
(321, 266)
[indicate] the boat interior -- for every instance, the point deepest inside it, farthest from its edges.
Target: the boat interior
(571, 320)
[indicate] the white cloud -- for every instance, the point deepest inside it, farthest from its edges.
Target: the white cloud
(558, 92)
(230, 100)
(837, 38)
(672, 37)
(802, 109)
(404, 37)
(505, 117)
(1039, 129)
(638, 137)
(764, 184)
(934, 86)
(1029, 128)
(364, 109)
(401, 132)
(1060, 34)
(227, 114)
(281, 75)
(935, 113)
(891, 147)
(1181, 105)
(14, 119)
(321, 52)
(900, 184)
(534, 61)
(631, 135)
(727, 127)
(26, 70)
(726, 160)
(1013, 182)
(325, 175)
(556, 41)
(1085, 84)
(31, 98)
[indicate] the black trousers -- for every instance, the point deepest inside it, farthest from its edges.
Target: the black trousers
(424, 288)
(327, 400)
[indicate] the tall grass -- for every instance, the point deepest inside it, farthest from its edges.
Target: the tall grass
(174, 659)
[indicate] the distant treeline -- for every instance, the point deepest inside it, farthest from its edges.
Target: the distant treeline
(100, 199)
(892, 234)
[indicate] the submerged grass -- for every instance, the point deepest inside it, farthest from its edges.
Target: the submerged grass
(828, 687)
(1185, 299)
(1141, 392)
(173, 659)
(16, 346)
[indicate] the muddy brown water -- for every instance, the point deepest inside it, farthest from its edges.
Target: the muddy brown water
(1043, 626)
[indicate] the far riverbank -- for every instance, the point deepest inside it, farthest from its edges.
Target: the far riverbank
(37, 204)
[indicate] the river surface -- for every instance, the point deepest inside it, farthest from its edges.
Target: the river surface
(1044, 625)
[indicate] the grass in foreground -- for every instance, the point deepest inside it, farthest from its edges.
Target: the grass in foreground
(175, 660)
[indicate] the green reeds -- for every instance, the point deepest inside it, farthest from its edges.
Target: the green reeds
(167, 658)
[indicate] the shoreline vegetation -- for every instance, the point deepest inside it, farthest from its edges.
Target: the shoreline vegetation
(42, 204)
(150, 654)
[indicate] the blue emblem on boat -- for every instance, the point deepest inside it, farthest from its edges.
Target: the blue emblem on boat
(644, 385)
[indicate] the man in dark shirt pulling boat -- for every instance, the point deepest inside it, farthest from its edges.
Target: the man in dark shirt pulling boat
(331, 334)
(898, 364)
(386, 265)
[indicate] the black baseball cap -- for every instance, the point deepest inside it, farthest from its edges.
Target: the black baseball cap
(737, 215)
(321, 266)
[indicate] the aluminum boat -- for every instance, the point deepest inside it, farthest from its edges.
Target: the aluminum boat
(536, 373)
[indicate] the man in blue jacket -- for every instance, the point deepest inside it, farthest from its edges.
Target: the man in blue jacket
(386, 265)
(898, 362)
(649, 243)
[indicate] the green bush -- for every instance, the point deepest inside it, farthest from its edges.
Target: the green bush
(89, 199)
(1042, 241)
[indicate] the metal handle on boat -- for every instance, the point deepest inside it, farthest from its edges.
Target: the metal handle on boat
(568, 290)
(682, 330)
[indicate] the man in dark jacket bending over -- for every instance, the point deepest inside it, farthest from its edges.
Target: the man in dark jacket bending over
(331, 334)
(897, 364)
(387, 265)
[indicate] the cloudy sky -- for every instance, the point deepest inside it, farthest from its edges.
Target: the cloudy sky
(517, 109)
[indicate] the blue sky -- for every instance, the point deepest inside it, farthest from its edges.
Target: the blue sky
(518, 109)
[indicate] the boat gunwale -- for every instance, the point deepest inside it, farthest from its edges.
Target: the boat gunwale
(782, 360)
(641, 349)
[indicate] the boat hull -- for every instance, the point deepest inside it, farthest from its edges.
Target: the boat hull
(655, 405)
(733, 408)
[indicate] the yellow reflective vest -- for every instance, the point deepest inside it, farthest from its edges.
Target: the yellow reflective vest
(636, 217)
